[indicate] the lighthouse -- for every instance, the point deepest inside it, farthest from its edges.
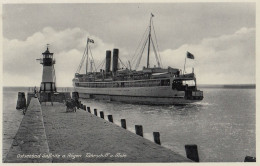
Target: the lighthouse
(48, 83)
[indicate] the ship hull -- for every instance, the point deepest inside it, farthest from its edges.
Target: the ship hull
(142, 95)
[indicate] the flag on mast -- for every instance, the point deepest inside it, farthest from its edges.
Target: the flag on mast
(189, 55)
(90, 40)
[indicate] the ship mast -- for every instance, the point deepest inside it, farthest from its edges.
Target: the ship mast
(84, 56)
(149, 41)
(87, 58)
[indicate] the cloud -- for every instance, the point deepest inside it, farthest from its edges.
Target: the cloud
(226, 59)
(19, 60)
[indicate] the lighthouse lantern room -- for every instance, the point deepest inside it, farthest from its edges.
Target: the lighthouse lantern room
(48, 83)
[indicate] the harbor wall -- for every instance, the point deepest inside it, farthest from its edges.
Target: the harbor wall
(30, 140)
(48, 133)
(84, 137)
(30, 95)
(45, 97)
(54, 97)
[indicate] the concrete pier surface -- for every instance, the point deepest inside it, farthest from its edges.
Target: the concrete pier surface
(30, 140)
(89, 138)
(59, 136)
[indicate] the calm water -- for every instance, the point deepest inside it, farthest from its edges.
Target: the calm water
(11, 119)
(222, 125)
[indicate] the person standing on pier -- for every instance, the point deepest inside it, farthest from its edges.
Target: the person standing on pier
(35, 92)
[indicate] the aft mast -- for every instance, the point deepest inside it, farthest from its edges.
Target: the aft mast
(87, 58)
(85, 55)
(149, 41)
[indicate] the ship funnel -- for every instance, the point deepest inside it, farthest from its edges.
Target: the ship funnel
(115, 60)
(108, 60)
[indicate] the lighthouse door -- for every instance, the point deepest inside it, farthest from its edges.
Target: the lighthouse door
(49, 97)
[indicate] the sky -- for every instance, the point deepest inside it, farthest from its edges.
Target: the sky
(221, 36)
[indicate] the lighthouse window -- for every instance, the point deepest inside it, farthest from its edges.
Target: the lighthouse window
(47, 86)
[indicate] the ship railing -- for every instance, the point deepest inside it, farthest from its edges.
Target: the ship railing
(127, 81)
(139, 83)
(184, 78)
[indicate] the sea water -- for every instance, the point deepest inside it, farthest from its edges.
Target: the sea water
(11, 119)
(222, 125)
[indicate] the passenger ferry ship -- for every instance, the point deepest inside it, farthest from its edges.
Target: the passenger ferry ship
(151, 85)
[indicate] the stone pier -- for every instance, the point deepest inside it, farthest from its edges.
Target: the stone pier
(49, 132)
(30, 143)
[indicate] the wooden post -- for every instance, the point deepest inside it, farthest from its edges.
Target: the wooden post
(110, 118)
(123, 123)
(95, 111)
(139, 130)
(192, 152)
(88, 108)
(75, 96)
(28, 99)
(102, 114)
(52, 99)
(156, 137)
(79, 104)
(21, 101)
(250, 159)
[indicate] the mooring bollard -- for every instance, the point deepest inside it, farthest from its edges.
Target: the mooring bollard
(21, 101)
(28, 99)
(192, 152)
(75, 95)
(250, 159)
(79, 104)
(123, 123)
(84, 107)
(139, 130)
(88, 108)
(110, 118)
(95, 111)
(156, 137)
(102, 114)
